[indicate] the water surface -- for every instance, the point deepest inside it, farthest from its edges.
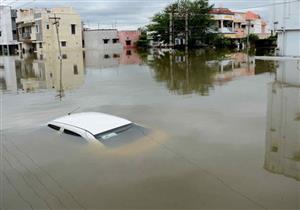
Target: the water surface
(223, 132)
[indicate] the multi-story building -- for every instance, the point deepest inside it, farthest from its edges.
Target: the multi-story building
(237, 25)
(101, 39)
(37, 30)
(129, 38)
(8, 31)
(287, 25)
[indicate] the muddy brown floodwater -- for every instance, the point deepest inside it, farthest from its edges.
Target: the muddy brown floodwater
(223, 132)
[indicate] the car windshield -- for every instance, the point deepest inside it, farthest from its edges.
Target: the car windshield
(113, 132)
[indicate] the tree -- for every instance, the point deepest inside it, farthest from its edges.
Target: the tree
(143, 42)
(199, 21)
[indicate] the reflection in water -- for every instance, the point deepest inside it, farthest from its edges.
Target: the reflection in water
(31, 74)
(99, 59)
(283, 121)
(199, 71)
(8, 79)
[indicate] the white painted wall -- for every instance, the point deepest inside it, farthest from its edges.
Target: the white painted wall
(287, 23)
(93, 39)
(6, 37)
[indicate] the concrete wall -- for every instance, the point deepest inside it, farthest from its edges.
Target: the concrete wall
(288, 43)
(287, 22)
(5, 26)
(94, 39)
(46, 34)
(8, 42)
(286, 14)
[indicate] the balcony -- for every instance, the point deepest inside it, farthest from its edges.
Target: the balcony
(25, 37)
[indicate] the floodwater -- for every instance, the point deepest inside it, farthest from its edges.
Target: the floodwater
(223, 132)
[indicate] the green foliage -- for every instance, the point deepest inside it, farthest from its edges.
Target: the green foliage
(143, 42)
(219, 41)
(199, 21)
(253, 38)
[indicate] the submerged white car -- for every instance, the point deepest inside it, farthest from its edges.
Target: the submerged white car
(92, 126)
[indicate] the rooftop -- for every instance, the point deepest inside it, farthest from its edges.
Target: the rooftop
(93, 122)
(223, 11)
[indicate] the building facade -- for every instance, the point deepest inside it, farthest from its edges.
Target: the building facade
(101, 39)
(37, 31)
(129, 38)
(287, 25)
(8, 31)
(238, 25)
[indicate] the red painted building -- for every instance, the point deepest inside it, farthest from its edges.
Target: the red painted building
(129, 38)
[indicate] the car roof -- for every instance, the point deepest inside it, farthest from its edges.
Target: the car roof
(93, 122)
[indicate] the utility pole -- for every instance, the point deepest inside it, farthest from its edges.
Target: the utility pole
(56, 23)
(171, 44)
(248, 34)
(186, 31)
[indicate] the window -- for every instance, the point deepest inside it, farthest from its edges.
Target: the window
(113, 132)
(54, 127)
(73, 29)
(105, 41)
(128, 42)
(66, 131)
(116, 55)
(47, 26)
(64, 56)
(75, 68)
(37, 29)
(63, 43)
(106, 56)
(115, 41)
(41, 45)
(0, 33)
(128, 52)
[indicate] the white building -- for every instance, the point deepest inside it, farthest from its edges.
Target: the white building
(237, 25)
(287, 24)
(101, 39)
(37, 32)
(102, 48)
(8, 30)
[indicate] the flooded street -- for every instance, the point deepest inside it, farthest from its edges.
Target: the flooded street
(223, 132)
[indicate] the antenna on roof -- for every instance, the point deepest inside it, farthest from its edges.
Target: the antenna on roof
(73, 110)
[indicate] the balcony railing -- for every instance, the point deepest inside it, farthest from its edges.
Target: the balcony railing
(26, 35)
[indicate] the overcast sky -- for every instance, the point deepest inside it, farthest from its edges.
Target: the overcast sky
(130, 14)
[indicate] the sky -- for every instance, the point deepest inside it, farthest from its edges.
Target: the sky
(130, 14)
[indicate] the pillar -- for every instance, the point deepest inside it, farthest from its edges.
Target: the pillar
(222, 25)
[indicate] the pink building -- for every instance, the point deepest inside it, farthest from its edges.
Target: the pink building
(129, 38)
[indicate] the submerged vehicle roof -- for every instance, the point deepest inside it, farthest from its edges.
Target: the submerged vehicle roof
(93, 122)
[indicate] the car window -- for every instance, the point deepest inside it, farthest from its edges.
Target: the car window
(57, 128)
(66, 131)
(113, 132)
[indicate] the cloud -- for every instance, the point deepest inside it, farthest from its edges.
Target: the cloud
(126, 14)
